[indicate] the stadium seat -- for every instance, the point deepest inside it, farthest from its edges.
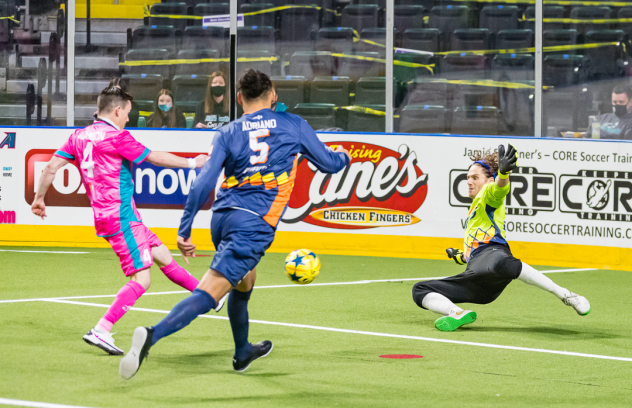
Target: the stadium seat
(199, 68)
(608, 61)
(513, 39)
(475, 95)
(407, 17)
(330, 90)
(370, 91)
(261, 19)
(189, 91)
(565, 109)
(149, 55)
(212, 9)
(475, 120)
(311, 64)
(625, 13)
(466, 39)
(447, 19)
(422, 119)
(429, 91)
(402, 73)
(144, 88)
(335, 40)
(256, 38)
(318, 115)
(463, 66)
(513, 67)
(547, 12)
(422, 39)
(247, 60)
(356, 68)
(500, 17)
(299, 28)
(360, 16)
(553, 38)
(5, 32)
(208, 38)
(291, 90)
(517, 107)
(366, 122)
(564, 70)
(377, 35)
(589, 13)
(189, 3)
(169, 8)
(163, 37)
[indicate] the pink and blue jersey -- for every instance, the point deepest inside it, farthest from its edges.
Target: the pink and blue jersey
(104, 156)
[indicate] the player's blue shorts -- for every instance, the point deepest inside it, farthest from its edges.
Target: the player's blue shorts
(240, 239)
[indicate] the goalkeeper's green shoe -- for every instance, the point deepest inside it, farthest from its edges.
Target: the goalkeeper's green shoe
(455, 320)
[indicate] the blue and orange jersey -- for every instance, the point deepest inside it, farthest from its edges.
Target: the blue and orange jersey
(259, 155)
(486, 219)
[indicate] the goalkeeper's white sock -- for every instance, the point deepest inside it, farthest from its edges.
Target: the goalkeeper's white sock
(536, 278)
(439, 304)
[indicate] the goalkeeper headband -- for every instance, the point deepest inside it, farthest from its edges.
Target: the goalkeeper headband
(485, 165)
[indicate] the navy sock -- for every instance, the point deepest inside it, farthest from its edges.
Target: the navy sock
(184, 313)
(238, 315)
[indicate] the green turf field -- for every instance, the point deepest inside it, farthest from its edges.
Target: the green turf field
(43, 357)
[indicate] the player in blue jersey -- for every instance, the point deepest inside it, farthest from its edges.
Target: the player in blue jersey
(259, 154)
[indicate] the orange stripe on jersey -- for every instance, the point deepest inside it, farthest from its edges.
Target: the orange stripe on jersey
(244, 182)
(271, 184)
(283, 196)
(255, 179)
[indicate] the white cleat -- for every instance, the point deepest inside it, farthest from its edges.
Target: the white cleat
(102, 340)
(220, 304)
(579, 303)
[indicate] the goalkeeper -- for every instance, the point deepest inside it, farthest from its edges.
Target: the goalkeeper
(490, 264)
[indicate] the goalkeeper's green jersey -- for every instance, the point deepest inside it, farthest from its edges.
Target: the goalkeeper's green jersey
(486, 219)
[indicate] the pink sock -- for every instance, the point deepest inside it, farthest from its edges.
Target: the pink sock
(125, 298)
(180, 276)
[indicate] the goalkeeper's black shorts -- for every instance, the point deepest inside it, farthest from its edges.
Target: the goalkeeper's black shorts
(487, 274)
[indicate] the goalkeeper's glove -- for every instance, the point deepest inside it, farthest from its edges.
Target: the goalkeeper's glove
(457, 255)
(507, 160)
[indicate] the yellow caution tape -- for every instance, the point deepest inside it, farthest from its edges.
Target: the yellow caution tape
(429, 67)
(582, 20)
(192, 61)
(362, 109)
(147, 12)
(144, 113)
(553, 48)
(12, 18)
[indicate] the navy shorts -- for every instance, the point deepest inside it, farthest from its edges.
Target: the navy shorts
(240, 239)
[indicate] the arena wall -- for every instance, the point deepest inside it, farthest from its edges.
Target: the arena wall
(402, 196)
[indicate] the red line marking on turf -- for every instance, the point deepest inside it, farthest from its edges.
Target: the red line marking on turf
(401, 356)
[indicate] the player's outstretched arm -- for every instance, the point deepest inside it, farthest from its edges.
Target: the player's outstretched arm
(507, 162)
(48, 175)
(319, 154)
(165, 159)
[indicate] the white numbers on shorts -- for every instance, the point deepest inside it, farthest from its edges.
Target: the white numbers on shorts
(257, 146)
(146, 256)
(88, 163)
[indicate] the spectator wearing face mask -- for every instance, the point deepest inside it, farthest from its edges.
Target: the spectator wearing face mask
(166, 114)
(618, 124)
(212, 112)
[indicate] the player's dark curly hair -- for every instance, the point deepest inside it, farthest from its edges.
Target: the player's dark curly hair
(491, 160)
(253, 84)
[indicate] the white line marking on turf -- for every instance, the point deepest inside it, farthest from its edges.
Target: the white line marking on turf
(43, 252)
(367, 333)
(21, 403)
(268, 287)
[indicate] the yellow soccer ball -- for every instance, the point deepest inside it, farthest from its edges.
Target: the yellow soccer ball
(302, 266)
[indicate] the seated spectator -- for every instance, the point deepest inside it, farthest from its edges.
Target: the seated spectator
(123, 83)
(212, 112)
(618, 124)
(166, 114)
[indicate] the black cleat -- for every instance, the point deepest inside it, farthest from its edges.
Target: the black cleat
(258, 350)
(141, 343)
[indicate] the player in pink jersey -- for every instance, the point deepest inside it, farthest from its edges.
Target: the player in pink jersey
(105, 152)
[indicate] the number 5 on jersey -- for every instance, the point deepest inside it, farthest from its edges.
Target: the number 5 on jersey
(257, 146)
